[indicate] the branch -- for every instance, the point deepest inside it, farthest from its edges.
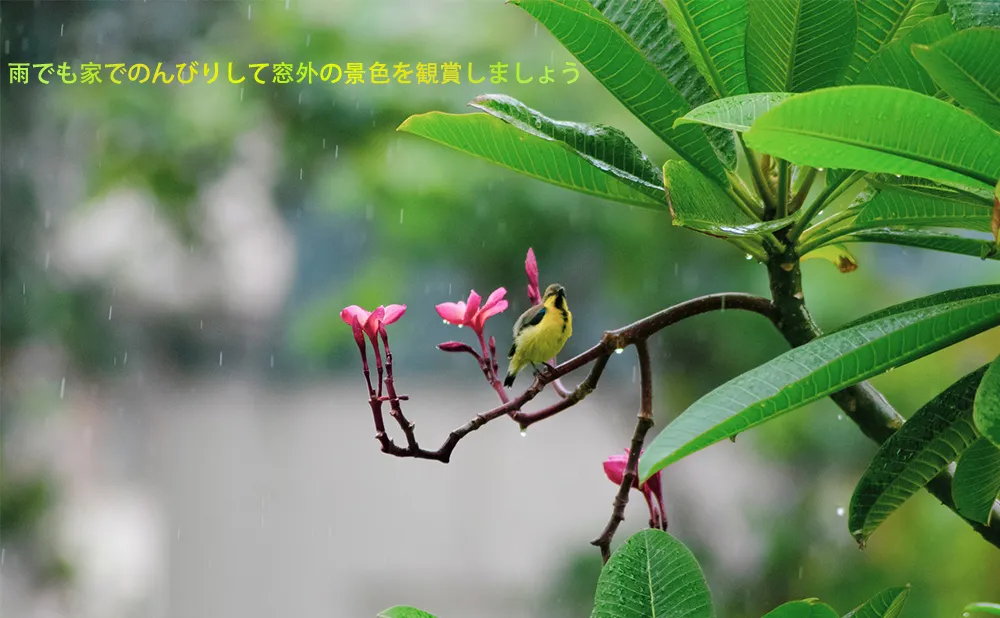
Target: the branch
(631, 475)
(862, 402)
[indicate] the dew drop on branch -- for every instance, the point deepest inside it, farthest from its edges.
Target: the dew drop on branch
(840, 511)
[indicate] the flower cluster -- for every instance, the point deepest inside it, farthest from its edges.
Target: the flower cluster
(652, 489)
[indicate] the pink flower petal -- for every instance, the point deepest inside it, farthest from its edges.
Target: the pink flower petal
(359, 333)
(531, 268)
(494, 298)
(485, 314)
(453, 313)
(349, 313)
(393, 313)
(371, 324)
(614, 468)
(472, 307)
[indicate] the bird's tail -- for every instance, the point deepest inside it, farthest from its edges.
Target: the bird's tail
(512, 369)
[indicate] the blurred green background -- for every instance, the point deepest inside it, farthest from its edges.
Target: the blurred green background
(173, 260)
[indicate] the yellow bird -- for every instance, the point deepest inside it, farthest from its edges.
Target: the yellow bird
(540, 332)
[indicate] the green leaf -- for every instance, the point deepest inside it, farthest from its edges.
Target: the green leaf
(921, 239)
(977, 481)
(616, 62)
(987, 414)
(886, 604)
(931, 188)
(606, 148)
(924, 446)
(871, 128)
(714, 34)
(964, 64)
(878, 22)
(734, 113)
(798, 45)
(910, 208)
(652, 575)
(806, 608)
(974, 13)
(404, 611)
(921, 11)
(947, 296)
(894, 64)
(838, 255)
(542, 156)
(817, 369)
(646, 24)
(697, 203)
(992, 609)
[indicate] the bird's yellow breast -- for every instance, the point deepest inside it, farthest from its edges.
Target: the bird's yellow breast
(539, 343)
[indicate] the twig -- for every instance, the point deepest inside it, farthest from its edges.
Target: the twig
(642, 427)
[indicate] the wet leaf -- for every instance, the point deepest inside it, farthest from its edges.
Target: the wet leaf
(886, 604)
(987, 414)
(977, 481)
(734, 113)
(806, 608)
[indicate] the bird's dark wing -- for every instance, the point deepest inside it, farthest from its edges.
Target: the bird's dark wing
(531, 317)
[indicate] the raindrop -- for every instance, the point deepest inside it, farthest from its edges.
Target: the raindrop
(840, 511)
(633, 373)
(749, 257)
(460, 326)
(819, 169)
(401, 216)
(201, 324)
(299, 102)
(840, 417)
(445, 321)
(125, 359)
(47, 256)
(220, 358)
(449, 289)
(178, 534)
(308, 39)
(324, 143)
(336, 151)
(287, 2)
(62, 28)
(249, 11)
(899, 175)
(241, 95)
(110, 308)
(524, 432)
(800, 572)
(619, 350)
(536, 28)
(272, 361)
(62, 388)
(300, 173)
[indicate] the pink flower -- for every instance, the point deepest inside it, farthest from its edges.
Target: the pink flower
(472, 313)
(531, 268)
(369, 322)
(614, 468)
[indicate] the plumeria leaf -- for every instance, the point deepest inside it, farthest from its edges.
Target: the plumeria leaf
(910, 208)
(806, 608)
(894, 64)
(977, 481)
(734, 113)
(616, 62)
(964, 64)
(403, 611)
(652, 574)
(878, 22)
(947, 296)
(838, 255)
(974, 13)
(886, 604)
(924, 446)
(993, 609)
(699, 204)
(536, 155)
(878, 136)
(987, 415)
(817, 369)
(714, 34)
(798, 45)
(931, 188)
(921, 239)
(646, 24)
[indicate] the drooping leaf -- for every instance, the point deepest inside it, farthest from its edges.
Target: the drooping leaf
(924, 446)
(734, 113)
(974, 13)
(924, 239)
(987, 415)
(540, 156)
(871, 128)
(806, 608)
(817, 369)
(886, 604)
(895, 207)
(798, 45)
(616, 62)
(878, 23)
(404, 611)
(977, 481)
(838, 255)
(714, 34)
(646, 24)
(652, 575)
(697, 203)
(993, 609)
(964, 64)
(894, 64)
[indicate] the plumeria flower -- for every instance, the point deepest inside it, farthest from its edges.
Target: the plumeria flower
(531, 268)
(369, 322)
(472, 313)
(614, 468)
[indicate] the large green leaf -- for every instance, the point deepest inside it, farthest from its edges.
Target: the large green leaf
(947, 296)
(987, 416)
(817, 369)
(652, 575)
(553, 158)
(886, 604)
(924, 239)
(974, 13)
(806, 608)
(965, 65)
(931, 188)
(871, 128)
(699, 204)
(403, 611)
(714, 34)
(646, 24)
(734, 113)
(911, 208)
(878, 23)
(894, 64)
(993, 609)
(977, 481)
(798, 45)
(924, 446)
(616, 62)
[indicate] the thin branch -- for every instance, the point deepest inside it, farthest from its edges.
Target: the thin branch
(571, 398)
(642, 427)
(830, 192)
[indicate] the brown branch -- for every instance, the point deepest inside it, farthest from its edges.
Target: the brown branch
(642, 426)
